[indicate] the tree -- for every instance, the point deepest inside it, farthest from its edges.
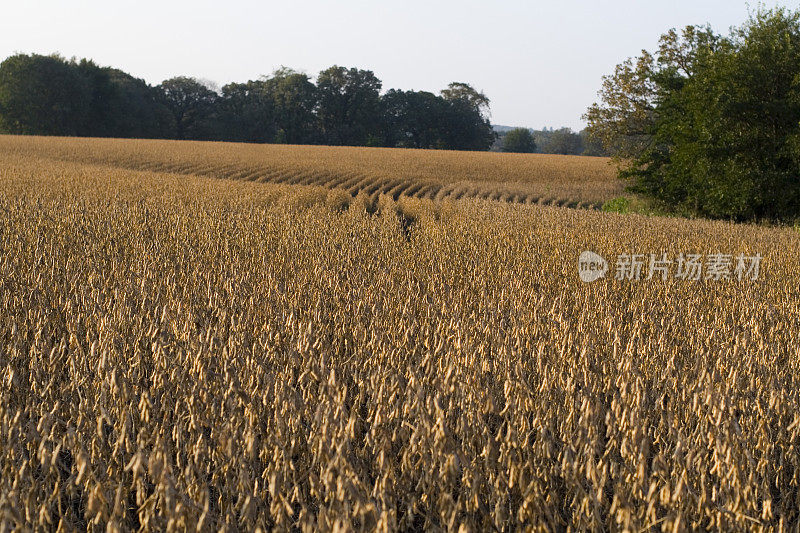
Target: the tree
(123, 106)
(294, 98)
(348, 105)
(710, 124)
(624, 121)
(48, 95)
(519, 140)
(463, 91)
(43, 95)
(192, 105)
(466, 119)
(563, 141)
(591, 145)
(99, 120)
(413, 119)
(246, 113)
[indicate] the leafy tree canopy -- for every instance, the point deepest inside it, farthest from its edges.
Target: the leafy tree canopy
(519, 140)
(710, 124)
(48, 95)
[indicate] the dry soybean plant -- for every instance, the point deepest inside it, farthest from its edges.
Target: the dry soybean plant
(184, 353)
(433, 174)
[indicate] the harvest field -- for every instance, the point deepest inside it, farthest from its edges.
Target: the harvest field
(572, 181)
(188, 353)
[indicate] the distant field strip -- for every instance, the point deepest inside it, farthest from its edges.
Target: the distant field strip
(569, 181)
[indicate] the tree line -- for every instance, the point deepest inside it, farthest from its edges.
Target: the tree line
(50, 95)
(709, 124)
(561, 141)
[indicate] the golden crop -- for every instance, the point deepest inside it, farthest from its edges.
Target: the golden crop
(184, 353)
(521, 178)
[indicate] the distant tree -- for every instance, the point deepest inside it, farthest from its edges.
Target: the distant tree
(192, 105)
(51, 96)
(466, 119)
(464, 128)
(43, 95)
(413, 119)
(294, 98)
(591, 145)
(123, 106)
(142, 111)
(100, 114)
(564, 142)
(463, 91)
(519, 140)
(348, 106)
(246, 113)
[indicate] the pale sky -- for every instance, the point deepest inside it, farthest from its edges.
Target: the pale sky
(540, 63)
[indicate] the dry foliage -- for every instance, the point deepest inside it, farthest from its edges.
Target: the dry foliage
(182, 353)
(517, 178)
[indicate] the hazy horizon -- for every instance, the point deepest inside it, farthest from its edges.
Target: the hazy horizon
(540, 63)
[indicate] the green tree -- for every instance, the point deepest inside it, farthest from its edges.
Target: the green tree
(348, 106)
(123, 106)
(246, 113)
(413, 119)
(141, 110)
(591, 145)
(466, 119)
(51, 96)
(519, 140)
(710, 124)
(100, 116)
(192, 105)
(623, 122)
(563, 141)
(294, 99)
(465, 92)
(43, 95)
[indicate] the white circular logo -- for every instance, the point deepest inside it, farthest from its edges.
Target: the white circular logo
(591, 267)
